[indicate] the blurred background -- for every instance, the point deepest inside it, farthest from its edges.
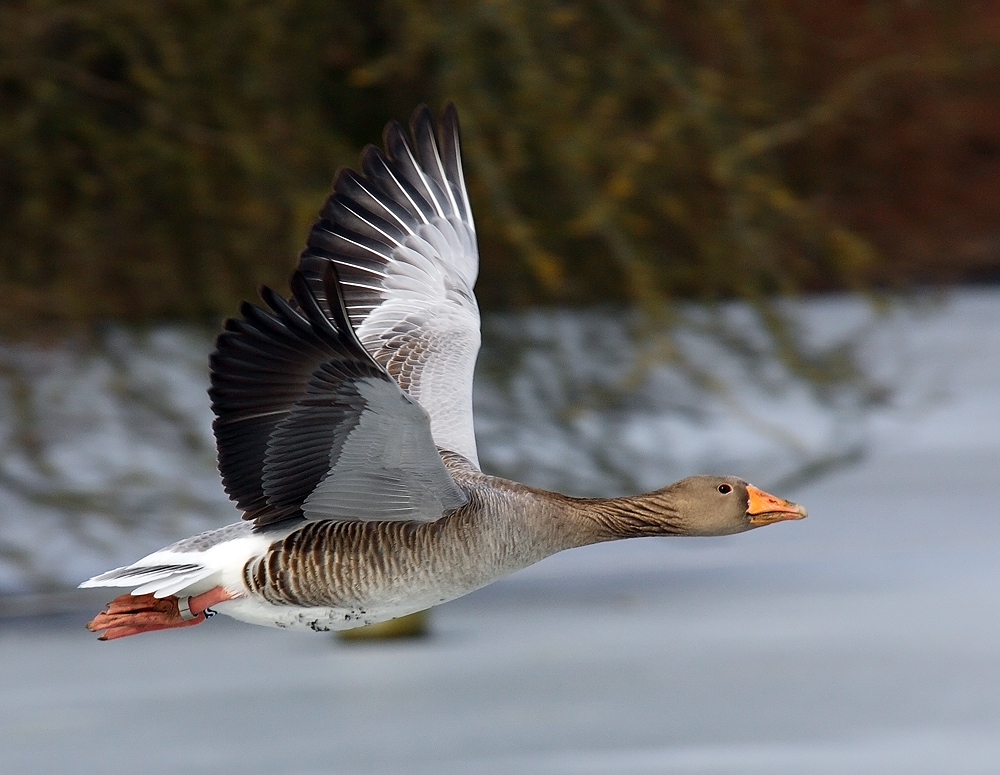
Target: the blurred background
(757, 238)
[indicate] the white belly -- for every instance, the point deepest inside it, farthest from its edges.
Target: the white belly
(300, 618)
(254, 610)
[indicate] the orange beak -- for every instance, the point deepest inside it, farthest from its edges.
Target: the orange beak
(763, 508)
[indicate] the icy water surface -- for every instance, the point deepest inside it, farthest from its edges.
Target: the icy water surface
(864, 639)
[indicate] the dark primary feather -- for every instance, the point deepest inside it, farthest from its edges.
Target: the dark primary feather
(261, 370)
(451, 158)
(292, 388)
(368, 216)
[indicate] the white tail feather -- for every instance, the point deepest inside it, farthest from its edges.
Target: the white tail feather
(161, 580)
(172, 586)
(205, 560)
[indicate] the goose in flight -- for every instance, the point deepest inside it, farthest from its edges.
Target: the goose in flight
(343, 418)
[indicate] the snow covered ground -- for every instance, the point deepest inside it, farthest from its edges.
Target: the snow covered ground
(864, 639)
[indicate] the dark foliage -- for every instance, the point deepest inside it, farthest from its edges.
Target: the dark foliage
(160, 160)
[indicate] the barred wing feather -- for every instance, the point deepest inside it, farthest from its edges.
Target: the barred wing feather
(403, 241)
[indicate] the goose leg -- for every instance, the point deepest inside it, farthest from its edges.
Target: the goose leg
(134, 614)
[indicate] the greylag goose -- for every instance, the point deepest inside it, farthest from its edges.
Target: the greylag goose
(343, 417)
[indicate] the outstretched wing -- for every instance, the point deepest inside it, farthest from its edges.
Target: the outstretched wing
(309, 426)
(403, 240)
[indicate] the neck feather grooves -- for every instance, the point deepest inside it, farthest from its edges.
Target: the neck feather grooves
(634, 516)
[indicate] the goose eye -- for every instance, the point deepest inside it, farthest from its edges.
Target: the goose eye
(725, 489)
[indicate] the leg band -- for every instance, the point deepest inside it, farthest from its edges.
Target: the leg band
(184, 607)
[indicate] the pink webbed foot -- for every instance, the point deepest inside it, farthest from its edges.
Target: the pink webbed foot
(135, 614)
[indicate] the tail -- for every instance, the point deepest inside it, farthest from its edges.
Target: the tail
(161, 580)
(154, 603)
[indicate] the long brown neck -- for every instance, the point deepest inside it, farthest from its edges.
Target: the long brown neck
(633, 516)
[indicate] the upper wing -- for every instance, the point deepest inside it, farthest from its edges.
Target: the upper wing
(308, 425)
(404, 244)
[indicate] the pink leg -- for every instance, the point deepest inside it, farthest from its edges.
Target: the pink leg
(199, 603)
(135, 614)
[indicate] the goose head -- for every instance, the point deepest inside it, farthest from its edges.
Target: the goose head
(722, 505)
(695, 506)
